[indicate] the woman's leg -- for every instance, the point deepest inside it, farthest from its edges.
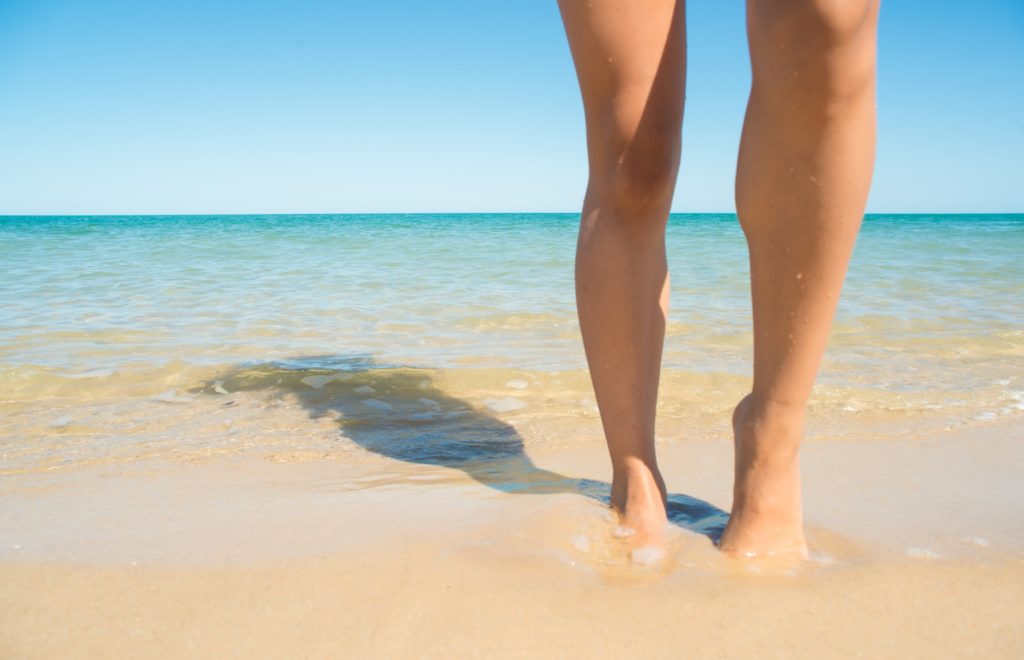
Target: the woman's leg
(630, 60)
(801, 185)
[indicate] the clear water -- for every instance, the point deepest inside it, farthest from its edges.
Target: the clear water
(126, 331)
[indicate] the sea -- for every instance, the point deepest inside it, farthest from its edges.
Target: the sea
(444, 337)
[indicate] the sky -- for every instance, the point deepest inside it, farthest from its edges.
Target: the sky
(335, 106)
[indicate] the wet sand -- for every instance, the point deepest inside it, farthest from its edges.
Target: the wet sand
(917, 550)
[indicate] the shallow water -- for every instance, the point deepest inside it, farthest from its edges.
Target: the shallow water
(181, 337)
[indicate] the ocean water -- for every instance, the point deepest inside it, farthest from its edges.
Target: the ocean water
(434, 336)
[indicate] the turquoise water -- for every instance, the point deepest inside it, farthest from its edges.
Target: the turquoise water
(102, 310)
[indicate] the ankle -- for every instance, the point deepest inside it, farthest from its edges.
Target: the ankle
(770, 428)
(636, 480)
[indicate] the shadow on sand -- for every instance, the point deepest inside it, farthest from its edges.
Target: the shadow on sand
(396, 411)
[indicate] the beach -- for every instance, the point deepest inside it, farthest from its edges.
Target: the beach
(376, 435)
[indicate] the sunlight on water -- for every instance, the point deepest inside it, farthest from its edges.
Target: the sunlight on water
(127, 335)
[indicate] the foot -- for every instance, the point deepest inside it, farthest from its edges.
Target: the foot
(638, 496)
(766, 517)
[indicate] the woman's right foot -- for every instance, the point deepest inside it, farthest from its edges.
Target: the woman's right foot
(767, 515)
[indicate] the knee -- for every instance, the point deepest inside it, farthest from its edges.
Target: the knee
(811, 26)
(644, 176)
(635, 169)
(822, 46)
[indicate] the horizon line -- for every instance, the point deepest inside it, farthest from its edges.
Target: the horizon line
(321, 213)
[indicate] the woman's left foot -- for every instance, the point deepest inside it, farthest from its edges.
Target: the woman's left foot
(638, 496)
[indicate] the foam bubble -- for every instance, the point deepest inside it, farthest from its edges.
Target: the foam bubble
(647, 556)
(623, 532)
(60, 422)
(821, 558)
(506, 404)
(430, 403)
(517, 383)
(364, 389)
(922, 553)
(377, 404)
(581, 543)
(94, 373)
(319, 381)
(977, 540)
(171, 396)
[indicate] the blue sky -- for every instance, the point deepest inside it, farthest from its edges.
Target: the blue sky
(122, 106)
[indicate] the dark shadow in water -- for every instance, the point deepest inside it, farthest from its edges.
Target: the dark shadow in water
(396, 411)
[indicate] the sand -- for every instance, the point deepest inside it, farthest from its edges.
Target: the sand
(917, 551)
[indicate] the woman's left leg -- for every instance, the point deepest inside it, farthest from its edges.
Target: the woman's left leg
(630, 58)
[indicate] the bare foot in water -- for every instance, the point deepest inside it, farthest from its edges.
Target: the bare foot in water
(767, 516)
(638, 496)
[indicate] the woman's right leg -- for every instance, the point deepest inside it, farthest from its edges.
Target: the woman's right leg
(630, 60)
(802, 181)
